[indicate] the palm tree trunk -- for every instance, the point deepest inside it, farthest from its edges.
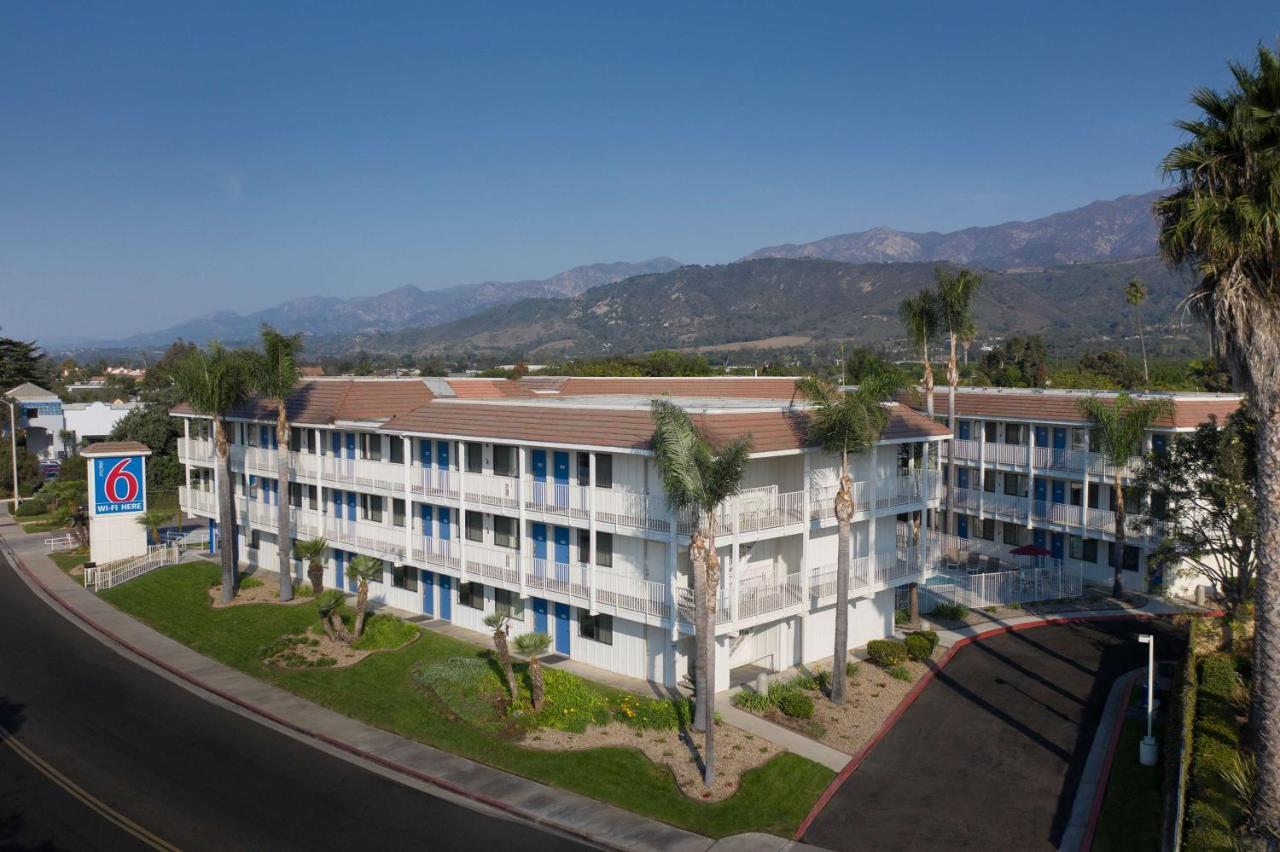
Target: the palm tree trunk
(1117, 557)
(710, 589)
(698, 569)
(535, 682)
(953, 379)
(315, 572)
(844, 514)
(1264, 707)
(504, 656)
(1142, 341)
(928, 378)
(362, 601)
(913, 589)
(226, 515)
(284, 532)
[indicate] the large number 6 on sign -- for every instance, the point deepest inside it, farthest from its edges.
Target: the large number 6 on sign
(120, 477)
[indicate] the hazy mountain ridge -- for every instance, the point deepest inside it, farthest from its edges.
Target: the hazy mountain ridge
(1103, 230)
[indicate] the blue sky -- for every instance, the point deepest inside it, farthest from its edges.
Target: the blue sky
(161, 161)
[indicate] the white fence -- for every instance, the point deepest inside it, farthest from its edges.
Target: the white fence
(102, 577)
(1053, 581)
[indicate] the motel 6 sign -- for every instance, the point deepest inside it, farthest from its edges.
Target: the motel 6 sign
(119, 485)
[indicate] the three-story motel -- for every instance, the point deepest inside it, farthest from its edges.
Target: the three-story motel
(540, 498)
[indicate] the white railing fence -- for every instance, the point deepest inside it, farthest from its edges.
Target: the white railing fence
(106, 576)
(1052, 581)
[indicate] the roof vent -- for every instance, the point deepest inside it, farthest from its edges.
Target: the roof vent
(438, 386)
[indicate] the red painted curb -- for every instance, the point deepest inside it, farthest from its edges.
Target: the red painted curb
(1095, 809)
(435, 781)
(911, 696)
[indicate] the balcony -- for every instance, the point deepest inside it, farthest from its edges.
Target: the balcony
(867, 574)
(1007, 507)
(196, 451)
(1071, 461)
(197, 500)
(877, 494)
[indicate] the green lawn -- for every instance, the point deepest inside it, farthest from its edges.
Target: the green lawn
(1133, 810)
(67, 561)
(380, 691)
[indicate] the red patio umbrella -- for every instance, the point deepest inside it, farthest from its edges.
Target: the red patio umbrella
(1030, 550)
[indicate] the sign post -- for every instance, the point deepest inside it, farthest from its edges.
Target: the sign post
(1147, 751)
(117, 497)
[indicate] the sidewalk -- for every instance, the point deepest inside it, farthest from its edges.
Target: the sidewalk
(560, 810)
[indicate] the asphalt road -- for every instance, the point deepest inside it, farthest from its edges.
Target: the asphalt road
(191, 774)
(989, 756)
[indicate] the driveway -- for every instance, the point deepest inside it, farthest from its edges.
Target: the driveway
(989, 756)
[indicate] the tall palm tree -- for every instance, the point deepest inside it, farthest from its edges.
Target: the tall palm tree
(955, 315)
(1220, 221)
(845, 423)
(275, 375)
(501, 622)
(921, 316)
(698, 479)
(152, 520)
(312, 551)
(1119, 428)
(213, 382)
(1135, 293)
(533, 646)
(363, 569)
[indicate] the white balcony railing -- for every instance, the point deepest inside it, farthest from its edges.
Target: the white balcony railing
(764, 597)
(877, 494)
(868, 573)
(197, 500)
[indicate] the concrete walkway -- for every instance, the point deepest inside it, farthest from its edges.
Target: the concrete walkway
(572, 814)
(790, 740)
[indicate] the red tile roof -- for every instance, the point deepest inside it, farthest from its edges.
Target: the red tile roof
(321, 402)
(1064, 407)
(738, 387)
(489, 389)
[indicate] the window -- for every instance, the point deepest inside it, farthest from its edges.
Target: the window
(584, 546)
(295, 439)
(404, 577)
(1131, 554)
(1013, 433)
(475, 526)
(604, 549)
(295, 495)
(471, 594)
(604, 470)
(397, 512)
(1015, 485)
(991, 431)
(1160, 505)
(1014, 534)
(370, 446)
(255, 539)
(1079, 439)
(1159, 443)
(505, 460)
(1075, 547)
(584, 468)
(1077, 494)
(1089, 550)
(397, 450)
(371, 508)
(1093, 495)
(988, 529)
(598, 628)
(475, 458)
(989, 481)
(506, 532)
(508, 603)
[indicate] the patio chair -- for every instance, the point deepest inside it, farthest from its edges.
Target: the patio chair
(994, 565)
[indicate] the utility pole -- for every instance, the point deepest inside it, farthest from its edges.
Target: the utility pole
(1147, 748)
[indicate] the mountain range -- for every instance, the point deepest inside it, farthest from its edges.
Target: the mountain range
(1059, 272)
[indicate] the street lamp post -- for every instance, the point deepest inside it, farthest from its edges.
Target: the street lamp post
(13, 451)
(1147, 751)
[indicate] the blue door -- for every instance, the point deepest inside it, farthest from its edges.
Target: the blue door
(1059, 491)
(1056, 545)
(962, 477)
(562, 554)
(446, 602)
(213, 535)
(424, 452)
(964, 428)
(562, 628)
(561, 472)
(1059, 438)
(351, 505)
(339, 562)
(1042, 436)
(540, 465)
(264, 436)
(1038, 537)
(352, 583)
(540, 615)
(351, 445)
(335, 443)
(428, 592)
(962, 526)
(1041, 495)
(442, 515)
(424, 513)
(442, 454)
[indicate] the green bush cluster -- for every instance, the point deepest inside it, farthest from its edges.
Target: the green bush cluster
(1213, 812)
(31, 508)
(283, 652)
(950, 612)
(751, 701)
(918, 647)
(822, 678)
(887, 652)
(385, 631)
(797, 705)
(851, 669)
(901, 616)
(900, 673)
(247, 583)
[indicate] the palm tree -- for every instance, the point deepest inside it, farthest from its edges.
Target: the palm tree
(955, 315)
(845, 423)
(1119, 428)
(697, 479)
(500, 622)
(363, 568)
(213, 382)
(312, 551)
(1220, 220)
(152, 520)
(921, 316)
(275, 375)
(329, 605)
(1135, 293)
(532, 645)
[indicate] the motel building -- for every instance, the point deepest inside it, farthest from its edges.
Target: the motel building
(1024, 470)
(540, 498)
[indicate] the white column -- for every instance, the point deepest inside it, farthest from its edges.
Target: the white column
(1084, 495)
(462, 510)
(526, 546)
(407, 452)
(875, 513)
(1031, 476)
(804, 538)
(186, 434)
(982, 468)
(591, 527)
(672, 573)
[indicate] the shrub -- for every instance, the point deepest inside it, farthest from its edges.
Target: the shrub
(247, 583)
(930, 635)
(886, 652)
(950, 612)
(657, 714)
(31, 508)
(918, 647)
(751, 701)
(901, 616)
(1214, 809)
(797, 705)
(900, 673)
(823, 679)
(804, 681)
(385, 631)
(851, 669)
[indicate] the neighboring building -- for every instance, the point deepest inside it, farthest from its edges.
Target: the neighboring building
(40, 416)
(540, 498)
(1026, 473)
(94, 421)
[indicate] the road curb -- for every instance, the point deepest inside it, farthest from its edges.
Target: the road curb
(1104, 777)
(934, 668)
(339, 745)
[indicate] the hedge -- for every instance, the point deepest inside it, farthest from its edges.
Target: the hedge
(1214, 810)
(887, 652)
